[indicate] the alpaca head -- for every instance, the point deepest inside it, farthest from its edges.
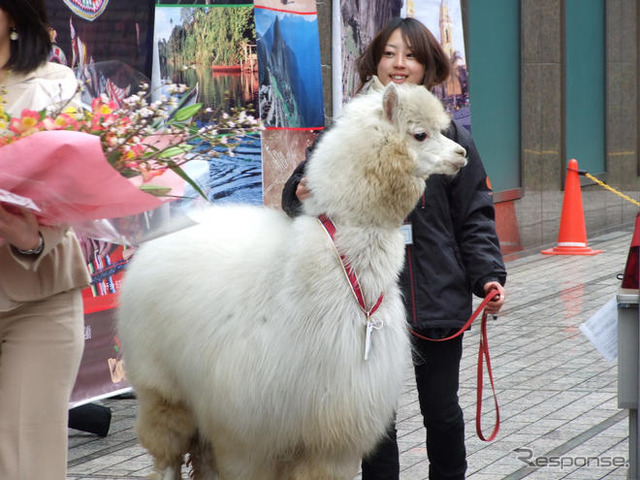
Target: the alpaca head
(372, 165)
(420, 116)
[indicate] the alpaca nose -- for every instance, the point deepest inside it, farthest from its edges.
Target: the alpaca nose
(461, 151)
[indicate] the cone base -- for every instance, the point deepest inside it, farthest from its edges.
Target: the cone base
(571, 251)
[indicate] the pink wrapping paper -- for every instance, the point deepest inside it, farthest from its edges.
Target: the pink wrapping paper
(67, 176)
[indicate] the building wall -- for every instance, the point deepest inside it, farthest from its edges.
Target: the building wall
(532, 221)
(623, 163)
(538, 211)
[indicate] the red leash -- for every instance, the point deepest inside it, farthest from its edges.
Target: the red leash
(483, 355)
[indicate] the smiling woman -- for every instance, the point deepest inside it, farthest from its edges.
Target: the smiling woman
(452, 252)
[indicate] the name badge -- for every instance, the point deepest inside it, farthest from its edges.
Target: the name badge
(408, 233)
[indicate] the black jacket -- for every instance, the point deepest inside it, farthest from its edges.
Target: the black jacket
(455, 249)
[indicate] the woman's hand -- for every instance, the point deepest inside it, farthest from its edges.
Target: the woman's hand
(302, 191)
(494, 306)
(19, 228)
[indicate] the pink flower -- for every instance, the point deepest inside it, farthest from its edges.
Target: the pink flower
(26, 124)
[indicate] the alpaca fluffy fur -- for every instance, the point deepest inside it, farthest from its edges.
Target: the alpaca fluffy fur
(241, 336)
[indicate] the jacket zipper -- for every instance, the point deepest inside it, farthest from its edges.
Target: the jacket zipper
(414, 317)
(411, 285)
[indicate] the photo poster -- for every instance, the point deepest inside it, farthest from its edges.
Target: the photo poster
(291, 100)
(271, 64)
(211, 48)
(356, 23)
(107, 42)
(101, 373)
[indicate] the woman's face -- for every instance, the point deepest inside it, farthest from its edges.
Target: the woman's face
(397, 64)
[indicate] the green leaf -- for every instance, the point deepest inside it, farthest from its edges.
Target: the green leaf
(155, 190)
(185, 113)
(113, 157)
(182, 174)
(174, 151)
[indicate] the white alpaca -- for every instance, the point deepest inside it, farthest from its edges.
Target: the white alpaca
(241, 335)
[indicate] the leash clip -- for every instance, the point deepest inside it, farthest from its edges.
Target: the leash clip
(370, 326)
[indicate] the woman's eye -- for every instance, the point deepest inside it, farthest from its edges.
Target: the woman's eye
(421, 137)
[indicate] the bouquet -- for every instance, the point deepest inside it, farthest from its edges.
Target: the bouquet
(110, 160)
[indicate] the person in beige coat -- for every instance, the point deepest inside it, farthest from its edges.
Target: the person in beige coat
(42, 272)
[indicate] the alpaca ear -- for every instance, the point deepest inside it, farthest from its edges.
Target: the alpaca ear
(390, 102)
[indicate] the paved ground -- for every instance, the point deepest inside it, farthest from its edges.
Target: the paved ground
(557, 394)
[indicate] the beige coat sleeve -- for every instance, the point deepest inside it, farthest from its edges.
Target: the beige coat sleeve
(59, 268)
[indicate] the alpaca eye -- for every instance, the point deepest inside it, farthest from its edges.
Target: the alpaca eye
(421, 137)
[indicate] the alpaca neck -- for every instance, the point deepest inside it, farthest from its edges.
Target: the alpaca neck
(375, 254)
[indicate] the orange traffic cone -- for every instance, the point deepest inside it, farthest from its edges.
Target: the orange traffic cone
(572, 237)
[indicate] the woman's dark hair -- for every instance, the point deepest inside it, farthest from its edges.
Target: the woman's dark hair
(33, 46)
(424, 46)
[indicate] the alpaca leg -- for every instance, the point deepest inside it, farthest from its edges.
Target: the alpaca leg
(201, 460)
(165, 429)
(168, 473)
(318, 468)
(235, 460)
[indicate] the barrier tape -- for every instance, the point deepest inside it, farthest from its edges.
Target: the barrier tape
(608, 187)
